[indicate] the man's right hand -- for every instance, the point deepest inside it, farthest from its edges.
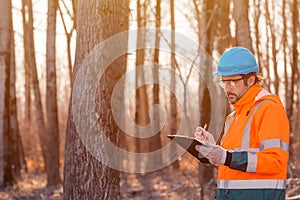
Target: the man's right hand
(204, 136)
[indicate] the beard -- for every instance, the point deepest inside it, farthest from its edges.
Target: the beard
(232, 98)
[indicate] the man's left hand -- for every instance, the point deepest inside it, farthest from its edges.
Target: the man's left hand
(214, 153)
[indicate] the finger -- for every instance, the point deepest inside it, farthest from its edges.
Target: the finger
(198, 129)
(197, 147)
(200, 137)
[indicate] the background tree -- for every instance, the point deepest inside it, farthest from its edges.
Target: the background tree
(52, 163)
(69, 33)
(155, 141)
(29, 48)
(240, 14)
(205, 37)
(142, 101)
(6, 173)
(173, 102)
(18, 160)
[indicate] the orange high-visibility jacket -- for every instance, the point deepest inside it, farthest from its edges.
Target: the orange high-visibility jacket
(257, 135)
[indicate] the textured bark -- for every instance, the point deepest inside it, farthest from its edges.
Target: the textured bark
(240, 14)
(52, 163)
(6, 175)
(85, 177)
(220, 26)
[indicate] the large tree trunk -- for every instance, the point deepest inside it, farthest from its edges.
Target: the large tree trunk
(86, 177)
(6, 175)
(52, 162)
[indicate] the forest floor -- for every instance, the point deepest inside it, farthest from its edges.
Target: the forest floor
(167, 183)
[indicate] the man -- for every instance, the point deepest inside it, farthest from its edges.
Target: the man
(253, 154)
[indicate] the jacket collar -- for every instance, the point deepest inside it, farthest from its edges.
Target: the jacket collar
(247, 99)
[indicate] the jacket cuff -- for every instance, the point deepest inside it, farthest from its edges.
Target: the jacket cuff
(228, 158)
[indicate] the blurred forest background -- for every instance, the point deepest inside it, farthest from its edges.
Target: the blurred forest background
(42, 47)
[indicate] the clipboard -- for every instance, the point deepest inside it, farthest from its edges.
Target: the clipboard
(189, 143)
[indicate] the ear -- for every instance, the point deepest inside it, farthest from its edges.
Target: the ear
(251, 80)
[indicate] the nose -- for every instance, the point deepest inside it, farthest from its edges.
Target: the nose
(227, 87)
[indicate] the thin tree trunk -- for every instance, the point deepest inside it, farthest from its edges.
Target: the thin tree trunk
(285, 64)
(27, 6)
(273, 49)
(6, 174)
(220, 26)
(267, 61)
(68, 36)
(295, 53)
(257, 34)
(18, 160)
(173, 103)
(295, 80)
(52, 166)
(27, 118)
(205, 173)
(243, 37)
(155, 141)
(142, 106)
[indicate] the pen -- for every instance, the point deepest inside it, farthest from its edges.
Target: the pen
(205, 125)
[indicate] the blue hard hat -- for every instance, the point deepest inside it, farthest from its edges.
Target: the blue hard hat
(236, 60)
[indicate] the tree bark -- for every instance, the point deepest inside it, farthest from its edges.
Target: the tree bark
(85, 177)
(243, 37)
(6, 175)
(52, 163)
(18, 160)
(29, 47)
(257, 34)
(220, 26)
(205, 173)
(27, 85)
(173, 103)
(155, 141)
(142, 105)
(68, 35)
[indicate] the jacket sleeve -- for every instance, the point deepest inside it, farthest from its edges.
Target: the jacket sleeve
(271, 128)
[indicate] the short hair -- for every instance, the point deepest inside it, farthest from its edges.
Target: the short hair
(259, 79)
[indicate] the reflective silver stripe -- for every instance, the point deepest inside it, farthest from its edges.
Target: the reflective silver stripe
(246, 135)
(252, 162)
(274, 143)
(245, 149)
(251, 184)
(228, 122)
